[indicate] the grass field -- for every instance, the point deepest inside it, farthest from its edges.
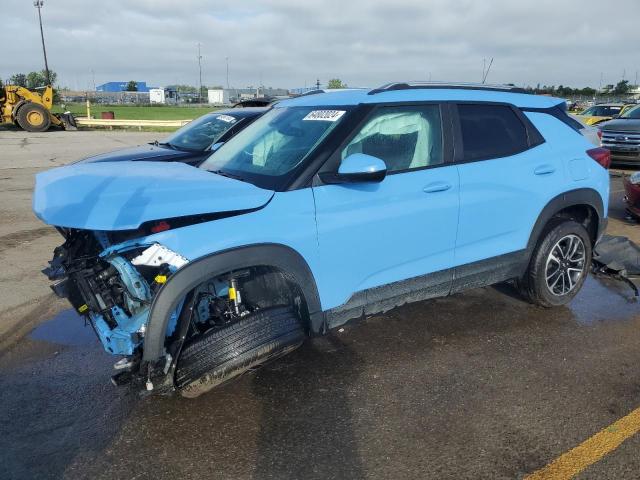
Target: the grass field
(134, 112)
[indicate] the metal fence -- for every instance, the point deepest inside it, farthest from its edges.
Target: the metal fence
(112, 98)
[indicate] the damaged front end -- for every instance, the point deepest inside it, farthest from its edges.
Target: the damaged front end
(112, 269)
(112, 287)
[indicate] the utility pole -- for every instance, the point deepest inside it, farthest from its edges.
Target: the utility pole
(601, 79)
(200, 69)
(38, 4)
(227, 60)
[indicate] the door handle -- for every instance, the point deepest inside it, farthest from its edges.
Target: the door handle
(436, 187)
(544, 170)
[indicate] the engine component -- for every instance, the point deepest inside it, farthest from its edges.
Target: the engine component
(157, 255)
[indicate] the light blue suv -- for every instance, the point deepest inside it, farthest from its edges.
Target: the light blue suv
(329, 207)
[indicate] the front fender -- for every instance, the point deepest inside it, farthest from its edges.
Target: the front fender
(188, 277)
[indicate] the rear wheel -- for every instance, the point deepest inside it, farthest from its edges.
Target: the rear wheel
(33, 117)
(559, 265)
(220, 355)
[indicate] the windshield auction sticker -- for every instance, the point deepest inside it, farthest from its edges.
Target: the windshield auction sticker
(325, 115)
(226, 118)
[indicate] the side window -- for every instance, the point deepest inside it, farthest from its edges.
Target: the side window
(405, 137)
(491, 131)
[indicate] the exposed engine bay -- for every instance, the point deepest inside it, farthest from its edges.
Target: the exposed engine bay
(114, 288)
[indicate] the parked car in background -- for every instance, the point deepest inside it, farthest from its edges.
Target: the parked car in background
(632, 194)
(622, 137)
(327, 208)
(602, 112)
(256, 102)
(190, 144)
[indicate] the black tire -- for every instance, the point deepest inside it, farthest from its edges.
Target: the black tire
(535, 286)
(221, 355)
(33, 117)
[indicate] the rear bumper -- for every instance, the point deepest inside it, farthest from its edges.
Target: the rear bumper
(624, 146)
(620, 157)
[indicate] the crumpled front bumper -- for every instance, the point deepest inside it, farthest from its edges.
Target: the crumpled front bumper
(120, 326)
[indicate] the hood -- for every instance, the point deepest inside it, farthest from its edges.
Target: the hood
(149, 152)
(108, 196)
(622, 125)
(590, 119)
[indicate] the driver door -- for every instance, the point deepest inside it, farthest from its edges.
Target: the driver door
(402, 228)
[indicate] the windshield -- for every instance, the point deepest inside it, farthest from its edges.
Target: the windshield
(201, 133)
(632, 113)
(602, 111)
(269, 149)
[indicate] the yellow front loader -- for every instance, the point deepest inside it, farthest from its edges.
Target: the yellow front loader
(31, 110)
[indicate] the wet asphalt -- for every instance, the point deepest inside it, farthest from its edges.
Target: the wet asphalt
(477, 385)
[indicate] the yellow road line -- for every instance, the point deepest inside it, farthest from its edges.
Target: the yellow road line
(590, 451)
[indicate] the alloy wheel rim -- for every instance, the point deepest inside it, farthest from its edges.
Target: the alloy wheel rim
(565, 265)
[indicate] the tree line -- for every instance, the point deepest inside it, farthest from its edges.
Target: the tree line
(32, 80)
(621, 88)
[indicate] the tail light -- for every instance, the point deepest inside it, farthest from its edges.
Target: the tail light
(601, 155)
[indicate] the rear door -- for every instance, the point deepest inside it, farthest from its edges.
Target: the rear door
(507, 176)
(373, 234)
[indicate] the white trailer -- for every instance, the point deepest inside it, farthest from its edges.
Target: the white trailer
(156, 95)
(218, 96)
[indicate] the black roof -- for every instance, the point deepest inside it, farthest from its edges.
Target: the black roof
(241, 112)
(255, 102)
(446, 85)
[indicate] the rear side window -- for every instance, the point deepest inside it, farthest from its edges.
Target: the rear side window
(491, 131)
(602, 111)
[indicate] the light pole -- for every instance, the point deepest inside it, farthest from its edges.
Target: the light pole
(227, 60)
(38, 4)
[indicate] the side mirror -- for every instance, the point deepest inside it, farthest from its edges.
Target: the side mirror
(358, 168)
(216, 146)
(617, 115)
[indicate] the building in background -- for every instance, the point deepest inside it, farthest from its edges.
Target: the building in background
(121, 87)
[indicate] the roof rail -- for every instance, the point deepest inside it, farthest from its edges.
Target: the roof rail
(453, 86)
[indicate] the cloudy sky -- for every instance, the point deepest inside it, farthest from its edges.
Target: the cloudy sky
(290, 43)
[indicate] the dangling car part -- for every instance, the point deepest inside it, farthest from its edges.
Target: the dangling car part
(618, 258)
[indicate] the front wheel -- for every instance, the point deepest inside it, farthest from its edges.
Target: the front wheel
(559, 265)
(220, 355)
(33, 117)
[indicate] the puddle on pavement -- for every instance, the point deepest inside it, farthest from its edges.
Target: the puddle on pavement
(600, 300)
(66, 328)
(604, 299)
